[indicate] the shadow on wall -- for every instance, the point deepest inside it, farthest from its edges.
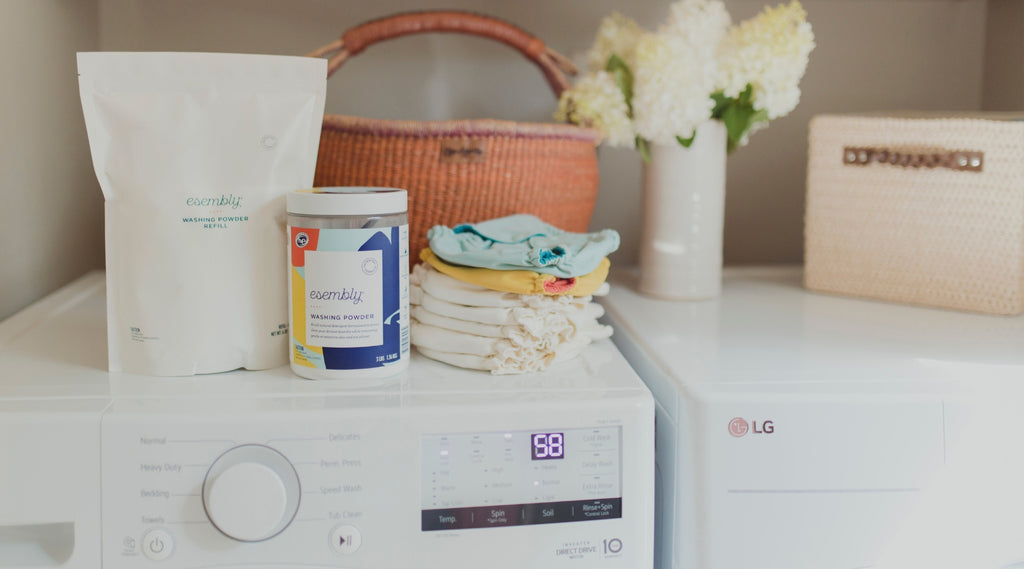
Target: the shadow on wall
(51, 209)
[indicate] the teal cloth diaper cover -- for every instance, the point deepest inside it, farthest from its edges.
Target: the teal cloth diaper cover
(522, 241)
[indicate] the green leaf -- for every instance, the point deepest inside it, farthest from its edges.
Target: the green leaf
(738, 114)
(737, 121)
(687, 142)
(623, 79)
(746, 95)
(721, 103)
(644, 147)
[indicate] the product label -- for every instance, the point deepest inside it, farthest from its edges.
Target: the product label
(344, 298)
(350, 297)
(219, 211)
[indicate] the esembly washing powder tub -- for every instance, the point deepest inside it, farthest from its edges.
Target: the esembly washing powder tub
(348, 278)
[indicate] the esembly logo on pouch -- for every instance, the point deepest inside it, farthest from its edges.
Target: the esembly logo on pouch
(301, 240)
(739, 427)
(229, 200)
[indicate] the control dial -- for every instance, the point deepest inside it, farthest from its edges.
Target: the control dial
(251, 493)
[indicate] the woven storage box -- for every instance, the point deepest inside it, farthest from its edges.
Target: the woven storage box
(463, 170)
(919, 209)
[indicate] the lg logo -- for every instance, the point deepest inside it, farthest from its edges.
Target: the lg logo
(739, 427)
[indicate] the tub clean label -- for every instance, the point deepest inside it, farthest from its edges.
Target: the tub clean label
(349, 310)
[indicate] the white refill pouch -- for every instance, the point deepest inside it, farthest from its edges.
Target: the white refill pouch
(194, 153)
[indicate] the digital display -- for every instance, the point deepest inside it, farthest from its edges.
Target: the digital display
(547, 446)
(477, 480)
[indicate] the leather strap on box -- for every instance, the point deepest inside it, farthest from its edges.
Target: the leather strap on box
(959, 160)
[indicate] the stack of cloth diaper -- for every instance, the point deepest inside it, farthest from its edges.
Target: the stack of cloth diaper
(509, 295)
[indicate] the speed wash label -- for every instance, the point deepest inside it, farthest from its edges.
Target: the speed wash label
(349, 310)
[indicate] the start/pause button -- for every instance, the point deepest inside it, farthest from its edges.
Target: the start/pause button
(345, 539)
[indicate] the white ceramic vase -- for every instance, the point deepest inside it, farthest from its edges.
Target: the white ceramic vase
(683, 214)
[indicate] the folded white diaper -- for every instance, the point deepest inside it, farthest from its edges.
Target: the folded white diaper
(504, 333)
(497, 355)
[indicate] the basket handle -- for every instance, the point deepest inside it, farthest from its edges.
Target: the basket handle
(355, 40)
(959, 160)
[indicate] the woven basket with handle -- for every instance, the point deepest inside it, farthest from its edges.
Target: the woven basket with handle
(463, 171)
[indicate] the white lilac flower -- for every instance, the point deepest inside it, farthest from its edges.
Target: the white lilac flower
(616, 35)
(662, 89)
(769, 52)
(675, 71)
(596, 101)
(698, 22)
(670, 89)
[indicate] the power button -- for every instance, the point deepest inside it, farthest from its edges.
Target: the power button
(157, 545)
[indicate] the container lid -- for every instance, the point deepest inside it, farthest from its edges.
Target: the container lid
(348, 200)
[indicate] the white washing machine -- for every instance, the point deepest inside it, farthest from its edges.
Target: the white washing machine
(441, 468)
(803, 431)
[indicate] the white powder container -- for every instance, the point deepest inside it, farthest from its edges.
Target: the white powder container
(348, 279)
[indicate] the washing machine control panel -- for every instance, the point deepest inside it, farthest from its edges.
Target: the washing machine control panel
(371, 492)
(191, 495)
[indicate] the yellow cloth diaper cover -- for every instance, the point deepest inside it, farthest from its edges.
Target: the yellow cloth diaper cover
(522, 281)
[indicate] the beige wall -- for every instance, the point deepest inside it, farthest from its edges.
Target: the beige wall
(51, 210)
(872, 54)
(1004, 60)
